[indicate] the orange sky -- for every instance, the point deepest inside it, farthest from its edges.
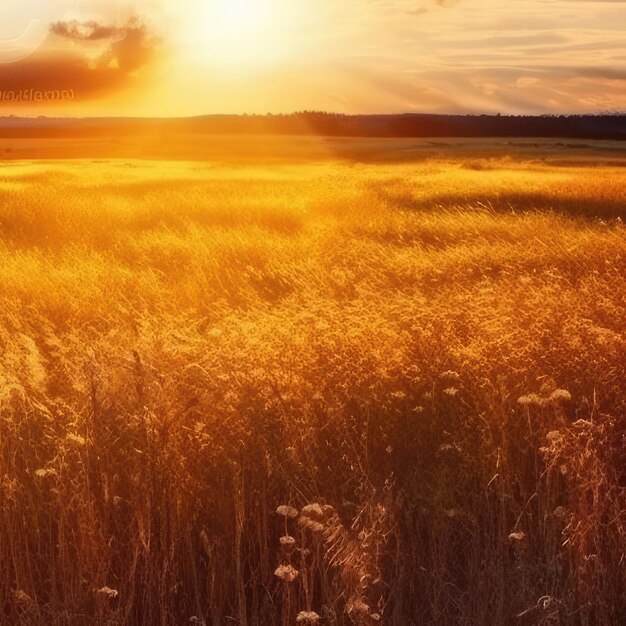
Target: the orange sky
(189, 57)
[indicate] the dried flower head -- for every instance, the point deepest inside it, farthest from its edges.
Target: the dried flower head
(21, 597)
(560, 395)
(287, 511)
(313, 510)
(44, 473)
(451, 375)
(358, 606)
(327, 510)
(310, 524)
(530, 399)
(308, 617)
(288, 544)
(554, 436)
(107, 593)
(75, 439)
(286, 573)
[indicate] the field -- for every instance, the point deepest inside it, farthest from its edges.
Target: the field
(417, 357)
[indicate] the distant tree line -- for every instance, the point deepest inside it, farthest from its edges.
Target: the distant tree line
(604, 126)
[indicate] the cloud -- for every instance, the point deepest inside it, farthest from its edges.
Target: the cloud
(447, 3)
(86, 31)
(102, 59)
(133, 50)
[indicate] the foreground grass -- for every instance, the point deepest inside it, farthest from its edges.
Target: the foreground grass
(435, 351)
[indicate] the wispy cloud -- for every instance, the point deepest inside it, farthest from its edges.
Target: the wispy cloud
(494, 55)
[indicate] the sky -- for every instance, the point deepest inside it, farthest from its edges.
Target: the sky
(193, 57)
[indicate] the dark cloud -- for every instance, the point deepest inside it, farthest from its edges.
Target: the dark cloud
(133, 49)
(104, 60)
(85, 31)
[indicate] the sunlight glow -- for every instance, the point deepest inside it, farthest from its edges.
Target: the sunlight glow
(237, 17)
(242, 33)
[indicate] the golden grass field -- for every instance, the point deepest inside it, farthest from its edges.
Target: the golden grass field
(430, 351)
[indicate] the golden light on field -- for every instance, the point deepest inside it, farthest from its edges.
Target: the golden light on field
(279, 365)
(204, 364)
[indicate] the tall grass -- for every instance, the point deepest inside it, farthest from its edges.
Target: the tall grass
(329, 393)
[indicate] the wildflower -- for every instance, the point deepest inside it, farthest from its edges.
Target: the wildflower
(530, 399)
(327, 510)
(308, 617)
(21, 597)
(45, 472)
(560, 394)
(312, 525)
(287, 573)
(517, 536)
(358, 606)
(451, 375)
(451, 391)
(76, 439)
(554, 436)
(287, 511)
(107, 592)
(287, 543)
(313, 510)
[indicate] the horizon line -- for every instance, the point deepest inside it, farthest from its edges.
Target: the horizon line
(307, 112)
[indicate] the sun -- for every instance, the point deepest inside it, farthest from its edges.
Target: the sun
(237, 33)
(238, 17)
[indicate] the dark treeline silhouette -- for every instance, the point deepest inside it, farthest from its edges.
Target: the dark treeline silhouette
(608, 126)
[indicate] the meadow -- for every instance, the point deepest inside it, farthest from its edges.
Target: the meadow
(335, 391)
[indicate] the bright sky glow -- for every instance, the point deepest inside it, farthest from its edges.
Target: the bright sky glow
(206, 56)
